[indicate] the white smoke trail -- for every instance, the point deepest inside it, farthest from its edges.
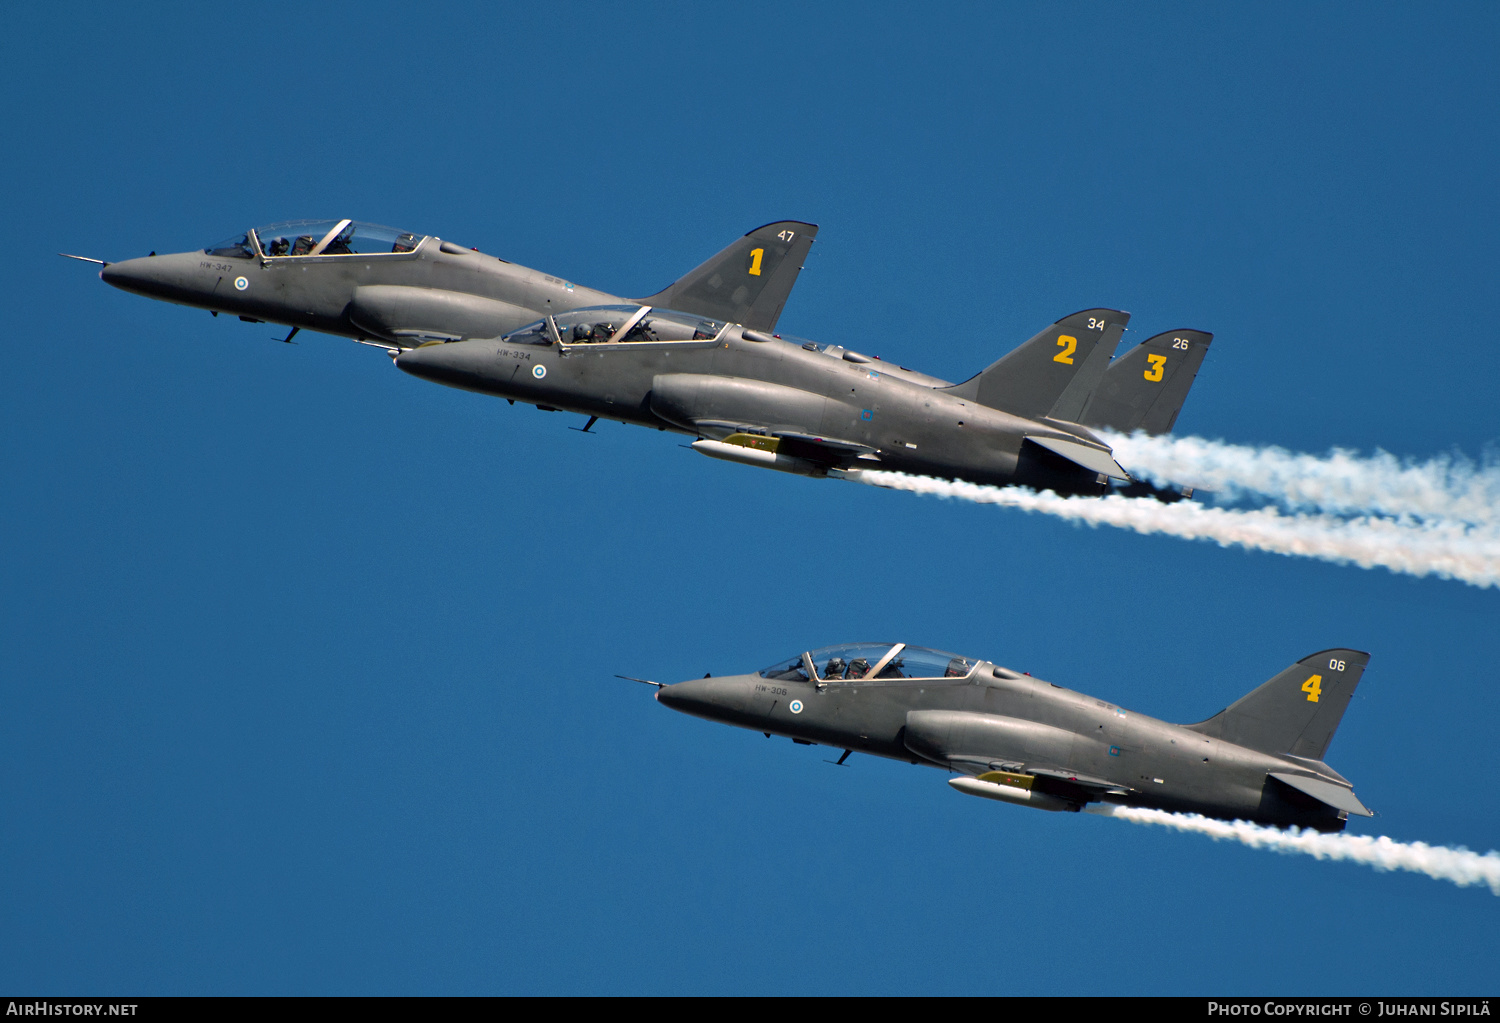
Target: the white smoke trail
(1446, 549)
(1442, 863)
(1342, 482)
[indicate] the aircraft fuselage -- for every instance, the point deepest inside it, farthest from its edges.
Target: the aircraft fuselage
(439, 290)
(815, 410)
(1067, 748)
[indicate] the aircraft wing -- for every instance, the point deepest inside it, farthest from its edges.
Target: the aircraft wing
(805, 445)
(1083, 780)
(832, 446)
(982, 765)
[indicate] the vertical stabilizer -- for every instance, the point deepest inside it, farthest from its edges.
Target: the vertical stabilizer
(749, 281)
(1033, 379)
(1144, 389)
(1296, 712)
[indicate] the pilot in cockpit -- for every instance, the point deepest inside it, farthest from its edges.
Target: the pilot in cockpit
(858, 668)
(834, 668)
(279, 247)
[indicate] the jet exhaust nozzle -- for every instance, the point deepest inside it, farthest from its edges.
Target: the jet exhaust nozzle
(1010, 794)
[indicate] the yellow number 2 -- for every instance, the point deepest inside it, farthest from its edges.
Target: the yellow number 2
(1154, 373)
(1312, 687)
(1068, 345)
(755, 255)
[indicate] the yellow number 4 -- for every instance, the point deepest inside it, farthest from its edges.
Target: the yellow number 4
(1313, 687)
(1068, 346)
(1154, 373)
(755, 255)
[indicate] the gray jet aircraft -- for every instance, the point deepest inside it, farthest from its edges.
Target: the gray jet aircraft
(1021, 740)
(749, 396)
(397, 290)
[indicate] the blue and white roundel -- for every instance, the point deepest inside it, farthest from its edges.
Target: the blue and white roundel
(795, 706)
(539, 371)
(241, 284)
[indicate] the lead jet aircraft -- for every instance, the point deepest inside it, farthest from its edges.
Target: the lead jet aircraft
(1021, 740)
(397, 290)
(748, 396)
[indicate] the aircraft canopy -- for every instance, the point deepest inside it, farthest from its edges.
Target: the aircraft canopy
(873, 661)
(318, 238)
(619, 324)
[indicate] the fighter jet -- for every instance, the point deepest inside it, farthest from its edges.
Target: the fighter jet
(1015, 738)
(397, 290)
(748, 396)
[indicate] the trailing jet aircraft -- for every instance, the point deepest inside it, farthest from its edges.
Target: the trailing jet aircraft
(397, 290)
(749, 396)
(1018, 739)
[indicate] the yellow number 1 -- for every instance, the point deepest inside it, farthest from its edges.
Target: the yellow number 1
(1312, 687)
(1067, 344)
(1157, 362)
(755, 255)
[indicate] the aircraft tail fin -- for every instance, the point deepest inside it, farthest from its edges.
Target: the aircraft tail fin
(748, 282)
(1296, 712)
(1144, 389)
(1037, 379)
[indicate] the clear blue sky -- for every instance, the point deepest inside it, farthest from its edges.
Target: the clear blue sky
(306, 665)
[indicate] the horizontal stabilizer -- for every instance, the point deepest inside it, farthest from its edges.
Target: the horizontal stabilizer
(1092, 459)
(1335, 796)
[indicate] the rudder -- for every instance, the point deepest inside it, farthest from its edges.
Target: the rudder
(748, 282)
(1144, 389)
(1296, 712)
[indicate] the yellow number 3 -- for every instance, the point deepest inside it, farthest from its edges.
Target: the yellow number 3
(1154, 373)
(1313, 687)
(1068, 345)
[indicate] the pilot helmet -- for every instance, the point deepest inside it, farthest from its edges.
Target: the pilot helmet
(581, 331)
(835, 668)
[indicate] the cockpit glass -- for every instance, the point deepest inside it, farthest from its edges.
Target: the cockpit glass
(848, 662)
(531, 334)
(856, 661)
(334, 238)
(787, 671)
(920, 662)
(669, 325)
(594, 324)
(237, 248)
(598, 324)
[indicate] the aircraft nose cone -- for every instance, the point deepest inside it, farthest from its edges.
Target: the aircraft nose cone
(718, 698)
(453, 362)
(128, 274)
(176, 277)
